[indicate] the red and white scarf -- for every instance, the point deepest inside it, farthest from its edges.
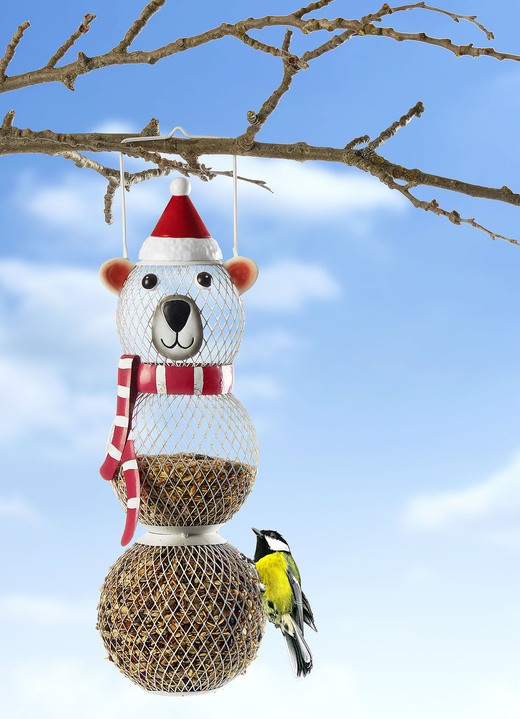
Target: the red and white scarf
(133, 378)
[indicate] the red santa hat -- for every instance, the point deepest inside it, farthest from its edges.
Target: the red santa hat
(180, 236)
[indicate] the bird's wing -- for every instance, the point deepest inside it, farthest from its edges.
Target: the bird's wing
(308, 616)
(297, 612)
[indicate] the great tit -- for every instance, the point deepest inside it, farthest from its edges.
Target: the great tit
(285, 605)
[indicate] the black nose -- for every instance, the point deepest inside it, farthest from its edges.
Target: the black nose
(176, 313)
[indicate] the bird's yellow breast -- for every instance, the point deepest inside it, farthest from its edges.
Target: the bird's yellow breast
(272, 572)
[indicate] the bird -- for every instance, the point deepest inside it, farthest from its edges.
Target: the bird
(284, 603)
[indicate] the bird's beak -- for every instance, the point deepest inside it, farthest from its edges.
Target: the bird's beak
(257, 532)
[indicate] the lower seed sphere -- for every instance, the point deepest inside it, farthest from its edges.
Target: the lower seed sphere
(181, 619)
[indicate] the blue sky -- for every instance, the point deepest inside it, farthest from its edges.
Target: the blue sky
(379, 366)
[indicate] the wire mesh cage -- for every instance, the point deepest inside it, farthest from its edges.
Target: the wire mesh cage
(221, 311)
(197, 458)
(181, 619)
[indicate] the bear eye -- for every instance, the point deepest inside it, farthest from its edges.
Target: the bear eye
(204, 279)
(149, 281)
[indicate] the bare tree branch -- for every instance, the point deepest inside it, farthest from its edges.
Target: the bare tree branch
(331, 44)
(287, 41)
(152, 128)
(72, 146)
(139, 25)
(109, 201)
(14, 140)
(446, 43)
(453, 216)
(357, 141)
(8, 120)
(82, 29)
(387, 10)
(258, 119)
(165, 167)
(311, 8)
(119, 55)
(11, 48)
(415, 111)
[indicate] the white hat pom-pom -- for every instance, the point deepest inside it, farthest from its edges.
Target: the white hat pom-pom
(180, 186)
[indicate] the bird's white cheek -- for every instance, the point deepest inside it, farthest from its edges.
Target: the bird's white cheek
(277, 545)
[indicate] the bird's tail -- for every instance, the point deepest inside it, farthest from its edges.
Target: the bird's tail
(299, 652)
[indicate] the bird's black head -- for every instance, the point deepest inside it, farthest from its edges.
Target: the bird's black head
(269, 541)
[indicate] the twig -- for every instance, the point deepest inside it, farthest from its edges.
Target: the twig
(11, 48)
(311, 8)
(380, 170)
(258, 45)
(453, 216)
(82, 29)
(287, 41)
(81, 161)
(282, 52)
(415, 111)
(446, 43)
(152, 128)
(357, 141)
(331, 44)
(8, 120)
(109, 201)
(133, 178)
(456, 17)
(165, 167)
(246, 140)
(139, 25)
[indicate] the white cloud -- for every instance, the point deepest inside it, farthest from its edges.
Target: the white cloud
(73, 205)
(55, 306)
(268, 345)
(17, 508)
(419, 574)
(257, 386)
(497, 497)
(500, 699)
(115, 124)
(72, 687)
(43, 401)
(75, 202)
(48, 404)
(290, 284)
(57, 321)
(45, 611)
(302, 190)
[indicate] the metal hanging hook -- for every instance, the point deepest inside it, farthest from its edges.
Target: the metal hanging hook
(148, 138)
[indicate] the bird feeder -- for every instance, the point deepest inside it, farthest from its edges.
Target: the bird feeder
(180, 610)
(181, 618)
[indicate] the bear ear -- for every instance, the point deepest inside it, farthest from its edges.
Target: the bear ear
(243, 272)
(114, 272)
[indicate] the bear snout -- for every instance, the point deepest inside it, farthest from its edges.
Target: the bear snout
(176, 313)
(177, 331)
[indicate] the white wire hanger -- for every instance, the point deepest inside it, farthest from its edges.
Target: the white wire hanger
(148, 138)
